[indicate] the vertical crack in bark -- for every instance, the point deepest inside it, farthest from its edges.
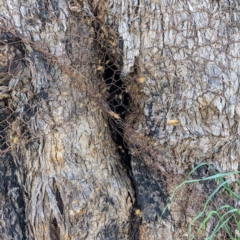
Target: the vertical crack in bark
(58, 197)
(54, 230)
(110, 46)
(149, 191)
(118, 101)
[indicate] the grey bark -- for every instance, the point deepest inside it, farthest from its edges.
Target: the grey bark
(61, 173)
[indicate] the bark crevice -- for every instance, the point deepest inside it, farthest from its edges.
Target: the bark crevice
(118, 101)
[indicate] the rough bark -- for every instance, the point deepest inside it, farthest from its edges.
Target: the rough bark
(184, 57)
(88, 92)
(61, 177)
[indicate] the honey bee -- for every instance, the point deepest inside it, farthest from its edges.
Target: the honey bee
(15, 139)
(100, 68)
(173, 122)
(141, 79)
(137, 211)
(113, 114)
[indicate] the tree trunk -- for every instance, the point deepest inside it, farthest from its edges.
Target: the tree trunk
(106, 106)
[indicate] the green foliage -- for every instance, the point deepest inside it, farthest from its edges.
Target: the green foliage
(224, 214)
